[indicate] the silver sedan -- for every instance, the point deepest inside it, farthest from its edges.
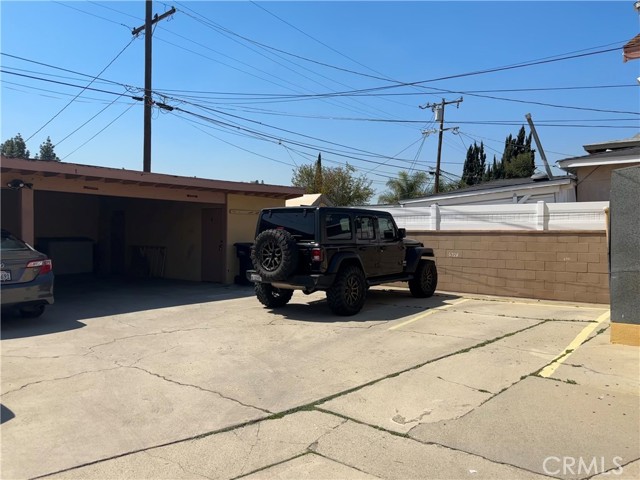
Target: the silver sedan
(26, 277)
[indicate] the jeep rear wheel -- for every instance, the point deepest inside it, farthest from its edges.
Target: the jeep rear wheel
(272, 297)
(424, 283)
(349, 290)
(275, 254)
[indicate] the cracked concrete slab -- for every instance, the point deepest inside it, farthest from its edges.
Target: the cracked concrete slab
(630, 471)
(64, 423)
(454, 323)
(453, 386)
(603, 365)
(169, 367)
(538, 423)
(392, 457)
(311, 467)
(224, 455)
(402, 402)
(535, 310)
(251, 364)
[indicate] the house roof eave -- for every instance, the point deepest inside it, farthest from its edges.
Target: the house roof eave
(113, 175)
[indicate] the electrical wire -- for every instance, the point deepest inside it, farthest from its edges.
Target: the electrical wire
(90, 120)
(93, 15)
(81, 91)
(229, 34)
(99, 132)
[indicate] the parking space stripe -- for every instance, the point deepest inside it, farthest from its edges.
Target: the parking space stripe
(430, 312)
(581, 337)
(557, 305)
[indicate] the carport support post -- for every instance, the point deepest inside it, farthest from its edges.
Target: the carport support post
(26, 215)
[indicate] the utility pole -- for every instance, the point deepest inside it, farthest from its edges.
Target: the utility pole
(438, 108)
(535, 136)
(148, 99)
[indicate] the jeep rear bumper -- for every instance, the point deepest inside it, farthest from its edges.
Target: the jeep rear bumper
(307, 283)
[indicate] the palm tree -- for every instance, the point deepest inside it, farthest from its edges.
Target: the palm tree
(406, 186)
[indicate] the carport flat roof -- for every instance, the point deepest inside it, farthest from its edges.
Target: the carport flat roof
(21, 166)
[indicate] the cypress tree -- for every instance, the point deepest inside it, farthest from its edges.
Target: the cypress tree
(317, 179)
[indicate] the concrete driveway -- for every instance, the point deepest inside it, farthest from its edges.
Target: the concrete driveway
(177, 380)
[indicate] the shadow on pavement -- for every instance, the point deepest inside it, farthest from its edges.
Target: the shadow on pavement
(381, 305)
(5, 414)
(88, 297)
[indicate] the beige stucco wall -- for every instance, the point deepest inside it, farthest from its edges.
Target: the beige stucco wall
(242, 215)
(594, 183)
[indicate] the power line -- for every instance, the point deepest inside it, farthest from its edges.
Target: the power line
(90, 120)
(229, 34)
(81, 91)
(314, 96)
(93, 15)
(100, 131)
(548, 123)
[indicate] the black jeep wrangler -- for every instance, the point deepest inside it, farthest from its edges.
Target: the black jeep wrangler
(342, 251)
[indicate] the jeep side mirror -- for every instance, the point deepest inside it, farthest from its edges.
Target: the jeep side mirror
(402, 232)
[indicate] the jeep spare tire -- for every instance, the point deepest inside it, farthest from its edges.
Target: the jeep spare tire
(274, 254)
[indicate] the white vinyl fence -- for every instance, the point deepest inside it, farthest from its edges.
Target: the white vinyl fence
(585, 216)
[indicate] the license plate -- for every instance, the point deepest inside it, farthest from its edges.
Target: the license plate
(255, 277)
(5, 276)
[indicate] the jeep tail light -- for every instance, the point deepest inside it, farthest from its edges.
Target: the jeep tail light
(316, 255)
(45, 266)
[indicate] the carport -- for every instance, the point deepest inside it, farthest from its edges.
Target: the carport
(115, 221)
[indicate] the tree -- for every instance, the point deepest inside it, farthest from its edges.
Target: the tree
(338, 183)
(520, 149)
(521, 167)
(473, 171)
(518, 158)
(47, 151)
(15, 148)
(317, 179)
(405, 186)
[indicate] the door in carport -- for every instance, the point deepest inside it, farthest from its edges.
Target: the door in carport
(213, 244)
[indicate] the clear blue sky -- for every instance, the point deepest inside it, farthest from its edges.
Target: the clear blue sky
(254, 74)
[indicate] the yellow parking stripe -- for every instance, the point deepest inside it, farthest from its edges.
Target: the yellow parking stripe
(426, 314)
(581, 337)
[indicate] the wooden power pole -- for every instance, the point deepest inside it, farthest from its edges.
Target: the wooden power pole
(438, 108)
(148, 99)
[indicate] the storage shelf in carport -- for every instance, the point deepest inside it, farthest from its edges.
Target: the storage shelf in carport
(148, 260)
(70, 255)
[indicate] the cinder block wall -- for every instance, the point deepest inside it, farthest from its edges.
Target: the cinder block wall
(570, 266)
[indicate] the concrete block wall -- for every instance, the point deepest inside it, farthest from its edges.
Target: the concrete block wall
(569, 266)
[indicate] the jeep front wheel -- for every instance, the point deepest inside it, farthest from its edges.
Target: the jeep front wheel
(424, 283)
(272, 297)
(275, 254)
(349, 290)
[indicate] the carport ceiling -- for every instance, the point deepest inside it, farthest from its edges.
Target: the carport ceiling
(46, 175)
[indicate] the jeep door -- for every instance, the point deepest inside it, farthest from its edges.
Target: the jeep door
(367, 244)
(392, 249)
